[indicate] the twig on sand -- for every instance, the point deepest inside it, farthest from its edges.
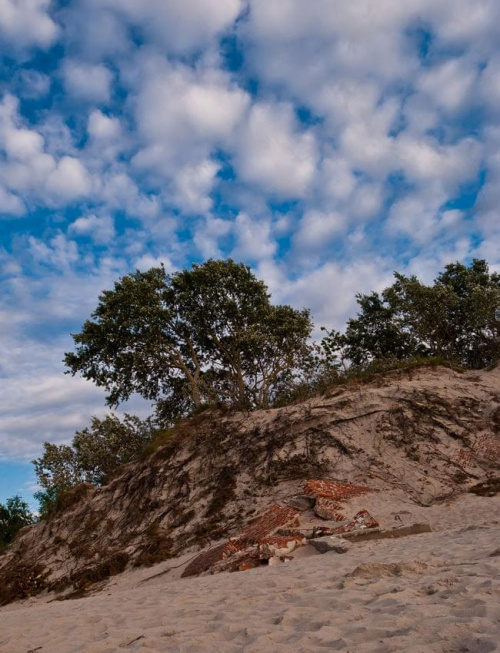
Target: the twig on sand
(136, 639)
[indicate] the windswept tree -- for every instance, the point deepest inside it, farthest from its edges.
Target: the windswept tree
(197, 336)
(94, 454)
(457, 318)
(14, 515)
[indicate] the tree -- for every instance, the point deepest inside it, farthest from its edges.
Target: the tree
(378, 332)
(197, 336)
(457, 318)
(14, 515)
(110, 443)
(95, 453)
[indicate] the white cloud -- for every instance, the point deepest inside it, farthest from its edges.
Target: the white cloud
(29, 169)
(33, 84)
(450, 85)
(26, 23)
(100, 229)
(69, 180)
(87, 82)
(329, 291)
(103, 128)
(148, 261)
(11, 204)
(59, 252)
(425, 160)
(183, 113)
(335, 179)
(208, 235)
(194, 184)
(180, 26)
(273, 154)
(489, 85)
(316, 231)
(254, 240)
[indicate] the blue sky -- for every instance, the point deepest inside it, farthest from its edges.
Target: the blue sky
(324, 143)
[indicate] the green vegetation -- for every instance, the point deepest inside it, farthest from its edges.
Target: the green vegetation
(194, 337)
(456, 319)
(95, 453)
(209, 336)
(14, 515)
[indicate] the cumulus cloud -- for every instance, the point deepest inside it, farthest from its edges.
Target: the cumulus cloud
(316, 231)
(69, 179)
(100, 229)
(254, 240)
(183, 113)
(180, 26)
(102, 127)
(11, 204)
(27, 23)
(29, 169)
(326, 143)
(87, 82)
(274, 154)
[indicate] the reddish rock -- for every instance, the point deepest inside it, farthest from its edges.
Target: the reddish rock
(335, 490)
(228, 556)
(326, 508)
(207, 559)
(270, 547)
(248, 558)
(267, 524)
(361, 521)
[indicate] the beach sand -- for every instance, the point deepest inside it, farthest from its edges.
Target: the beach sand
(436, 592)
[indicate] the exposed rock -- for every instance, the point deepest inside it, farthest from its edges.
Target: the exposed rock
(270, 547)
(331, 543)
(335, 490)
(326, 508)
(301, 502)
(394, 533)
(360, 522)
(248, 558)
(229, 556)
(208, 559)
(267, 524)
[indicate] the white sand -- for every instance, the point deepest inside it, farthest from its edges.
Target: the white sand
(429, 593)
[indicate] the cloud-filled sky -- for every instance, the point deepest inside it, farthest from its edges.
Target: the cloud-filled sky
(325, 143)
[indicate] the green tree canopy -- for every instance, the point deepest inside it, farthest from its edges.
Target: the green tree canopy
(457, 318)
(197, 336)
(94, 454)
(14, 515)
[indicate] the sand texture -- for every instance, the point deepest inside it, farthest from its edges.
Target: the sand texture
(436, 592)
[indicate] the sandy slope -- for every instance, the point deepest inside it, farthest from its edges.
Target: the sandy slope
(419, 436)
(429, 593)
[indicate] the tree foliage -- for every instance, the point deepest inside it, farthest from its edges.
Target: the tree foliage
(14, 515)
(95, 453)
(197, 336)
(457, 319)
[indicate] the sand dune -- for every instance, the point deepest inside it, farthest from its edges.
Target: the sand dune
(437, 592)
